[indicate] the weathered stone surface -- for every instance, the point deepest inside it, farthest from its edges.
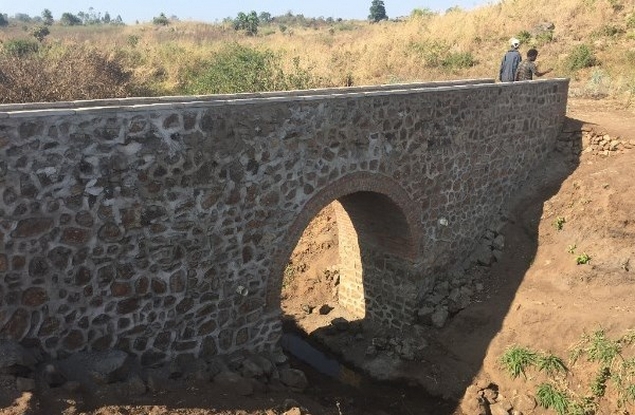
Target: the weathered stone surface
(31, 227)
(75, 236)
(17, 325)
(34, 296)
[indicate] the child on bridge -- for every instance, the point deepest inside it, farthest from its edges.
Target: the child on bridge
(527, 68)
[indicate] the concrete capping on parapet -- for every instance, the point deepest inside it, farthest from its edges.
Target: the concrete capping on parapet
(31, 106)
(166, 103)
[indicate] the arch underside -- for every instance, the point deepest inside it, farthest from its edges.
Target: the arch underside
(376, 274)
(377, 251)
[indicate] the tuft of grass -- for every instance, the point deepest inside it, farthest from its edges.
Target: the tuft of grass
(551, 364)
(544, 37)
(524, 36)
(614, 374)
(598, 348)
(550, 397)
(598, 384)
(516, 360)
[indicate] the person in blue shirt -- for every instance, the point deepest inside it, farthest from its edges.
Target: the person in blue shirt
(510, 62)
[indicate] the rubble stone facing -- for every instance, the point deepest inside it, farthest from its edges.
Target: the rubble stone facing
(162, 228)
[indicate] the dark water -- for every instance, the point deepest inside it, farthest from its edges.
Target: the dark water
(351, 391)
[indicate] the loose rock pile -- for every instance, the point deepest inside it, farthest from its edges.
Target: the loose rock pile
(451, 295)
(603, 144)
(575, 141)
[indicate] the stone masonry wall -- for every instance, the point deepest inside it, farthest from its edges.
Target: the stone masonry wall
(164, 228)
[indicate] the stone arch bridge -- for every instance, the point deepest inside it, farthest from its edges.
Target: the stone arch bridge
(163, 226)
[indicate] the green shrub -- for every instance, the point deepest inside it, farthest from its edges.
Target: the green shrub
(431, 52)
(581, 56)
(40, 33)
(582, 259)
(609, 30)
(601, 349)
(630, 21)
(458, 60)
(238, 68)
(544, 37)
(524, 36)
(20, 47)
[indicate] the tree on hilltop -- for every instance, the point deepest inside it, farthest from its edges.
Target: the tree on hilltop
(4, 20)
(265, 17)
(161, 20)
(247, 22)
(377, 11)
(69, 19)
(47, 17)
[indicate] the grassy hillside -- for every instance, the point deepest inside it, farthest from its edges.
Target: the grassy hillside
(590, 41)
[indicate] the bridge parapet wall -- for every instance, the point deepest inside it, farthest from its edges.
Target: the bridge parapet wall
(160, 228)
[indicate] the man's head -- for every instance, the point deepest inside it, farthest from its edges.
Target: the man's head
(532, 54)
(514, 42)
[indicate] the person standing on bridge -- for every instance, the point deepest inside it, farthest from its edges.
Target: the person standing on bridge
(527, 69)
(510, 62)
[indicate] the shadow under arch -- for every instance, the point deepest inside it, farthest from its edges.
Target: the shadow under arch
(379, 247)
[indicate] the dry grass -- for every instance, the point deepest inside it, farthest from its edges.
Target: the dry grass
(426, 48)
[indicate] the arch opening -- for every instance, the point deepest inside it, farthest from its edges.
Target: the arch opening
(353, 262)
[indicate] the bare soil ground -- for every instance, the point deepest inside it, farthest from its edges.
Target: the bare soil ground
(537, 296)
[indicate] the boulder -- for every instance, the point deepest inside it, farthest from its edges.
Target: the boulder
(294, 379)
(15, 359)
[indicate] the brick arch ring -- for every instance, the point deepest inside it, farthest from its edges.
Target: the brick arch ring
(406, 211)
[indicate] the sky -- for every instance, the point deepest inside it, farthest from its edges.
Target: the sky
(132, 11)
